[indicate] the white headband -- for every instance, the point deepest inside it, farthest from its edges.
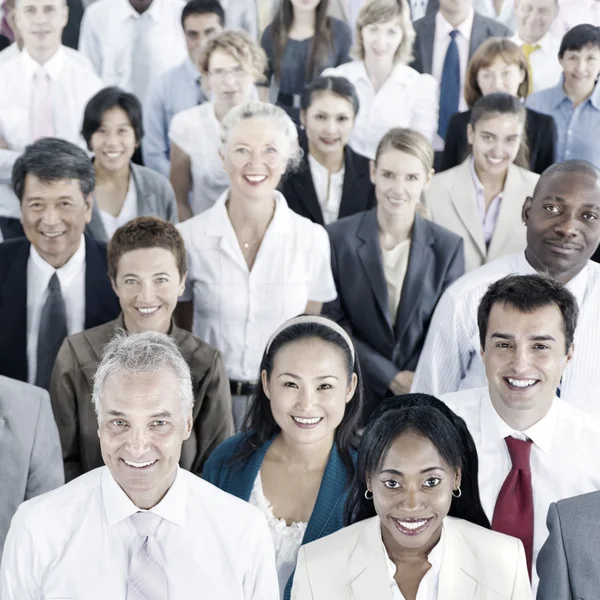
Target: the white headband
(313, 319)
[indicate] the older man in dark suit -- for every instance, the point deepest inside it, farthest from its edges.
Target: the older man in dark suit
(53, 282)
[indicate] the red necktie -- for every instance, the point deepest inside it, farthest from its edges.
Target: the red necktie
(513, 513)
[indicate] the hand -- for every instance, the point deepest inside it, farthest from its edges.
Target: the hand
(3, 144)
(402, 383)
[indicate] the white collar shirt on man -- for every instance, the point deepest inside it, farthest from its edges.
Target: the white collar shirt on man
(418, 9)
(75, 543)
(236, 309)
(450, 358)
(329, 187)
(564, 454)
(72, 283)
(545, 67)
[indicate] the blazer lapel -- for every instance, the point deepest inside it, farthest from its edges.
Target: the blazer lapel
(479, 34)
(146, 203)
(95, 228)
(354, 183)
(305, 188)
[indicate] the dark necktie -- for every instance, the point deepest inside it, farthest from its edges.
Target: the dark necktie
(513, 513)
(52, 332)
(450, 85)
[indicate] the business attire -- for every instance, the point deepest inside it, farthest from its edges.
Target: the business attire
(239, 479)
(567, 562)
(4, 42)
(472, 563)
(389, 339)
(24, 277)
(543, 61)
(450, 359)
(10, 228)
(70, 34)
(540, 131)
(77, 542)
(71, 393)
(314, 193)
(456, 200)
(573, 124)
(559, 468)
(31, 463)
(149, 194)
(417, 94)
(423, 8)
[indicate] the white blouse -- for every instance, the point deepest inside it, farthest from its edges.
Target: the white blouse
(329, 188)
(287, 539)
(128, 211)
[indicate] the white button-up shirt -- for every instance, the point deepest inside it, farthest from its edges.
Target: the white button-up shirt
(108, 32)
(450, 358)
(13, 51)
(545, 68)
(407, 98)
(328, 187)
(564, 455)
(237, 310)
(72, 286)
(75, 542)
(73, 85)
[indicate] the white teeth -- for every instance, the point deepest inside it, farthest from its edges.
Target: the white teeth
(53, 235)
(113, 154)
(495, 161)
(522, 383)
(256, 178)
(139, 465)
(148, 311)
(412, 524)
(306, 421)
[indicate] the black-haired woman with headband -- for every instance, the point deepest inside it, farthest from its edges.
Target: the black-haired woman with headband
(294, 458)
(415, 526)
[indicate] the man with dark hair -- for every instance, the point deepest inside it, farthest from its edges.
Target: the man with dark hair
(53, 282)
(563, 231)
(533, 447)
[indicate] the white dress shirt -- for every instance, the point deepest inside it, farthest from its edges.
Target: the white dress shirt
(13, 51)
(507, 12)
(450, 358)
(237, 310)
(407, 98)
(129, 211)
(72, 86)
(418, 9)
(564, 455)
(545, 67)
(108, 31)
(72, 285)
(75, 543)
(328, 187)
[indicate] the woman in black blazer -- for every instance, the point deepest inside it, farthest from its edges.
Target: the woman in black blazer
(332, 180)
(391, 266)
(499, 65)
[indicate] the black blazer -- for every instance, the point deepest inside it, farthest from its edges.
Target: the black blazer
(436, 259)
(4, 42)
(11, 228)
(101, 303)
(357, 194)
(541, 137)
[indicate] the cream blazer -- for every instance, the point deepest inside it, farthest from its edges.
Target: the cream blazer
(452, 203)
(477, 564)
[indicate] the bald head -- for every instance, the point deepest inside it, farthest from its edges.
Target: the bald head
(568, 166)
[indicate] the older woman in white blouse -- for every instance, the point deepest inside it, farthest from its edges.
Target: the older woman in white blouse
(391, 93)
(252, 262)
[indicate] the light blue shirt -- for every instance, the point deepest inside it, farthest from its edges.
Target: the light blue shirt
(577, 127)
(178, 89)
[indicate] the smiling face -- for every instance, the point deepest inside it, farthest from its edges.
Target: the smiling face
(114, 143)
(41, 23)
(382, 40)
(308, 390)
(581, 68)
(198, 29)
(229, 80)
(534, 18)
(500, 76)
(141, 427)
(412, 493)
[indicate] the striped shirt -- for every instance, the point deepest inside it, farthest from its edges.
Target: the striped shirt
(450, 359)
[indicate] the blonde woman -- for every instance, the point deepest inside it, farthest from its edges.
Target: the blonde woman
(230, 63)
(391, 93)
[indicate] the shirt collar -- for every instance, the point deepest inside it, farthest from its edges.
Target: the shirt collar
(67, 273)
(52, 66)
(545, 43)
(315, 165)
(559, 95)
(191, 69)
(479, 189)
(443, 28)
(125, 11)
(118, 506)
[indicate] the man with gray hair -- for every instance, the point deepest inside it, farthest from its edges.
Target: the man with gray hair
(140, 527)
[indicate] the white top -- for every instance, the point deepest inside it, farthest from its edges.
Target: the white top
(572, 13)
(129, 211)
(450, 358)
(564, 455)
(72, 286)
(440, 47)
(395, 264)
(418, 9)
(407, 98)
(72, 86)
(545, 67)
(74, 543)
(237, 310)
(108, 31)
(198, 133)
(329, 188)
(13, 51)
(287, 539)
(506, 16)
(241, 15)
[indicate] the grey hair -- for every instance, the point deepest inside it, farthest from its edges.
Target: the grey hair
(145, 352)
(269, 112)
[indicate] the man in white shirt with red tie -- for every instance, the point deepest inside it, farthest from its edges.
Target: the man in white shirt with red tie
(533, 447)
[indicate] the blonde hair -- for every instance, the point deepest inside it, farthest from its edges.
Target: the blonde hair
(382, 11)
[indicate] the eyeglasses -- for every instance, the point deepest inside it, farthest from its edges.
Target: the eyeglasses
(238, 73)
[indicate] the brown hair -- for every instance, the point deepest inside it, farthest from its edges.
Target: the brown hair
(484, 56)
(146, 232)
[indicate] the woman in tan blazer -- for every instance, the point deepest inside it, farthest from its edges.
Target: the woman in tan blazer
(481, 199)
(415, 524)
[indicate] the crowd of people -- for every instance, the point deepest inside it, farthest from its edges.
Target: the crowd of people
(299, 299)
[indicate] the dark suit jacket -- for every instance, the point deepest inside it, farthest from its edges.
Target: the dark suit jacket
(101, 304)
(70, 35)
(357, 193)
(483, 28)
(541, 137)
(384, 348)
(4, 42)
(432, 7)
(11, 228)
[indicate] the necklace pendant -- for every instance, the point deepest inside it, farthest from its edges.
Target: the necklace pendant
(246, 245)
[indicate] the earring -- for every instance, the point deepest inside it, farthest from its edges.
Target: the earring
(459, 494)
(368, 494)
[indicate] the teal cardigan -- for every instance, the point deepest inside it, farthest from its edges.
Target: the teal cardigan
(238, 479)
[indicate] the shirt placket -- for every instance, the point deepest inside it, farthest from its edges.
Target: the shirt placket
(572, 124)
(250, 330)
